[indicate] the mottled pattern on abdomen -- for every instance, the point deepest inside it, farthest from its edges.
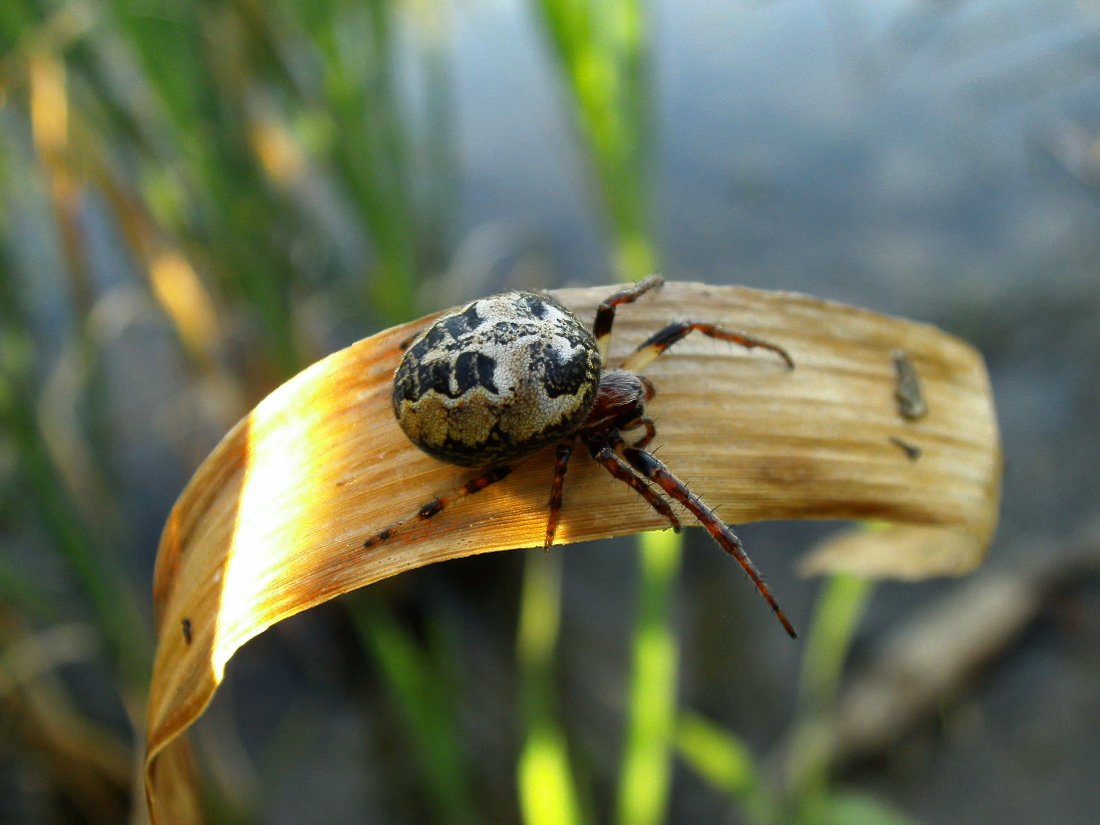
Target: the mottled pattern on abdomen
(496, 380)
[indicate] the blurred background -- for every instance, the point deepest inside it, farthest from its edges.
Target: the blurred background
(199, 199)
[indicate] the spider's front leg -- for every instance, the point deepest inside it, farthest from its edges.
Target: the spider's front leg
(664, 338)
(605, 313)
(603, 450)
(653, 469)
(437, 505)
(650, 433)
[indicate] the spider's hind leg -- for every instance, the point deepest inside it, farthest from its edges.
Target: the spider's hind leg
(438, 504)
(653, 469)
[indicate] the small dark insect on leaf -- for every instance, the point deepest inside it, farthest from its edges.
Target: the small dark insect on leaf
(912, 451)
(185, 625)
(910, 397)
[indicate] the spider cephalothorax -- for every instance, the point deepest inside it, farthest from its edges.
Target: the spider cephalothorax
(493, 382)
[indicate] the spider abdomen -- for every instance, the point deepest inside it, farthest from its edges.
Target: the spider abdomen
(496, 380)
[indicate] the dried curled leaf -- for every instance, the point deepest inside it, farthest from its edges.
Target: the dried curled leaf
(274, 520)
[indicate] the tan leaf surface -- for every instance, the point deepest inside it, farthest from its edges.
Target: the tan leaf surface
(274, 520)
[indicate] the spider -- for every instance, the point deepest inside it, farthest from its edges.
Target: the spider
(489, 384)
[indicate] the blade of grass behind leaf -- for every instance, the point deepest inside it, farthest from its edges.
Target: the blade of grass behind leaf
(839, 608)
(424, 699)
(645, 774)
(547, 793)
(724, 761)
(601, 48)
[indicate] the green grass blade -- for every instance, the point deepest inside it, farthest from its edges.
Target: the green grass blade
(602, 48)
(836, 617)
(547, 793)
(418, 683)
(645, 778)
(724, 762)
(851, 808)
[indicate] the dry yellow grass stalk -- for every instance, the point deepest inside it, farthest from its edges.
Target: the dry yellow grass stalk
(274, 520)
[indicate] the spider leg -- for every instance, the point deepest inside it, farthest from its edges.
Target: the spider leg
(643, 442)
(605, 455)
(440, 503)
(605, 313)
(561, 464)
(654, 470)
(665, 338)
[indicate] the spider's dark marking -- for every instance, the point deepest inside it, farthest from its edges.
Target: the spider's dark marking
(910, 397)
(535, 304)
(474, 369)
(185, 626)
(493, 382)
(456, 326)
(564, 374)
